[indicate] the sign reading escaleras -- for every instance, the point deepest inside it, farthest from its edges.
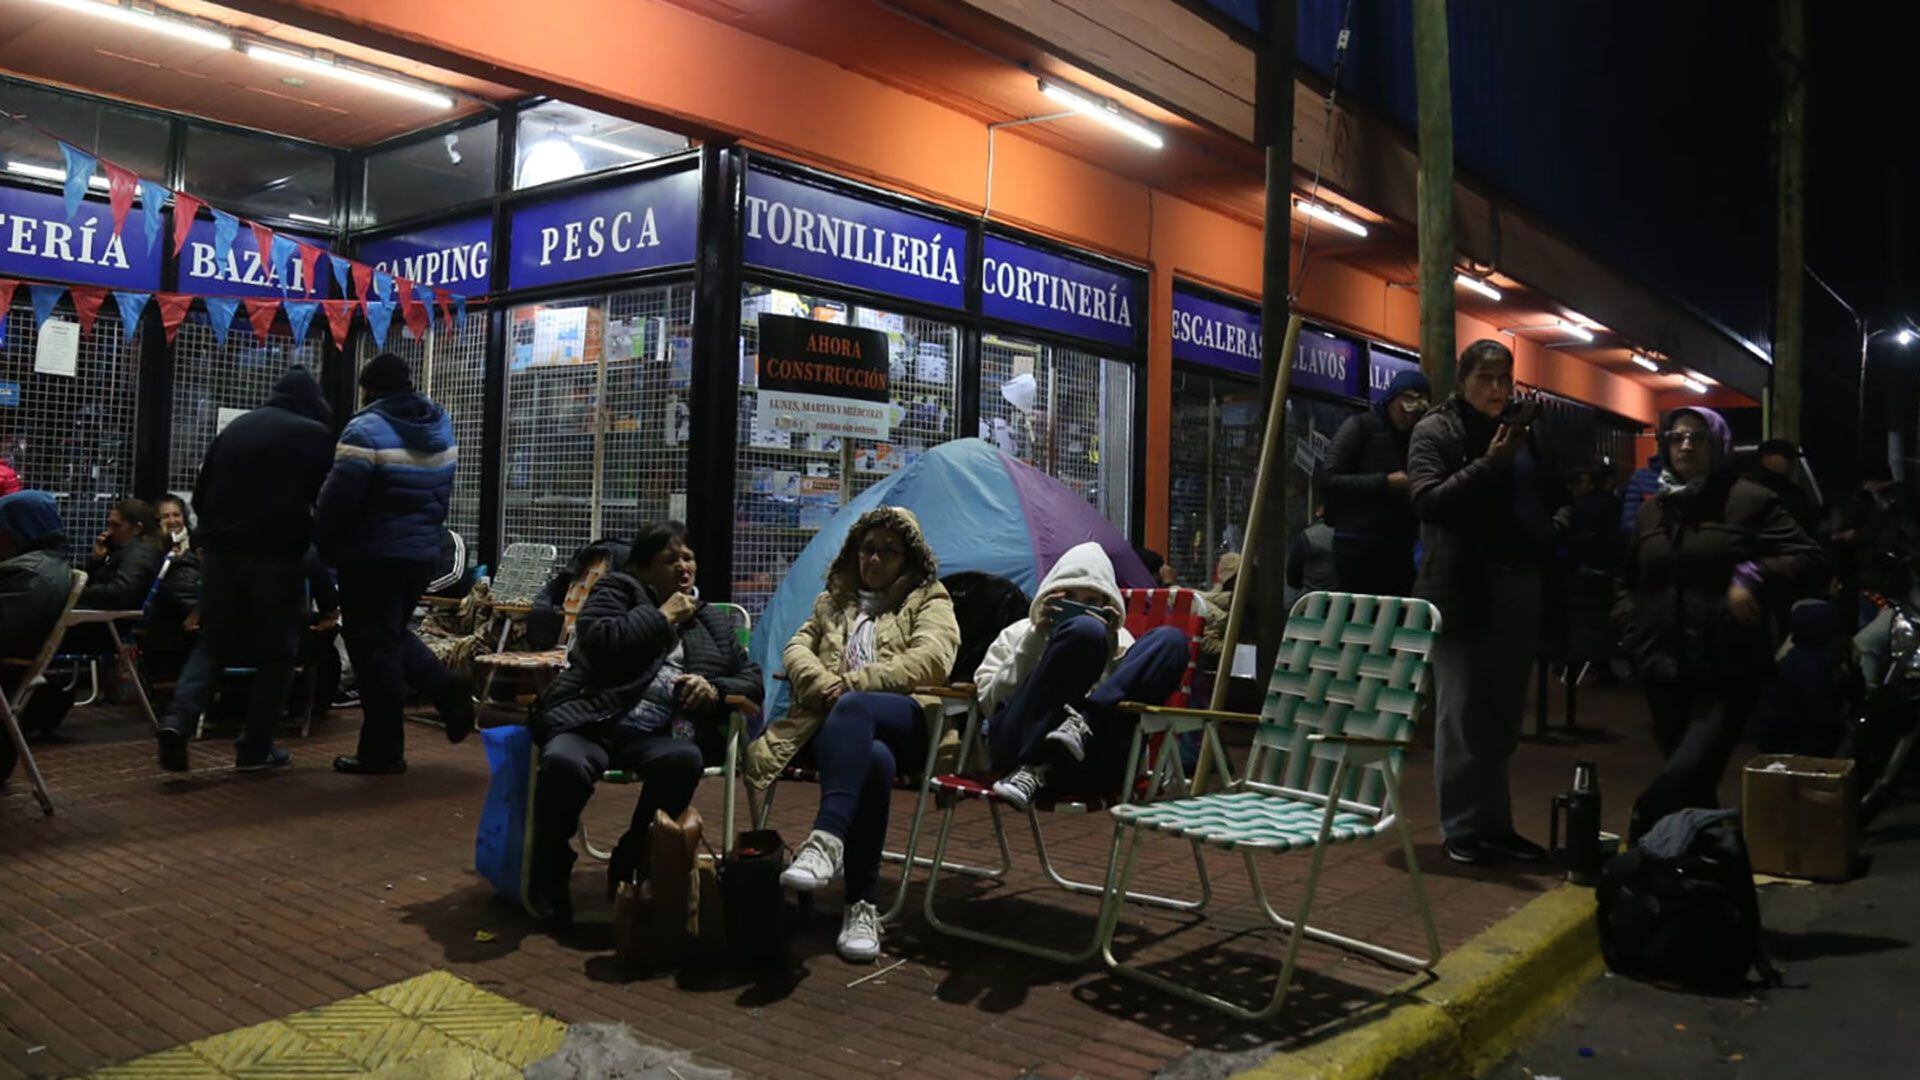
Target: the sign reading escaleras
(37, 241)
(1227, 336)
(830, 236)
(641, 225)
(454, 255)
(822, 378)
(1038, 288)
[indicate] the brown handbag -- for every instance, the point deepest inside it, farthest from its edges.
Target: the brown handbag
(674, 916)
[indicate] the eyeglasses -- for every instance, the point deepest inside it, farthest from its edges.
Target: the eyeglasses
(1686, 438)
(875, 551)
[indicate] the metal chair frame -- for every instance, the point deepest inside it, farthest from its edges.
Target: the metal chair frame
(32, 678)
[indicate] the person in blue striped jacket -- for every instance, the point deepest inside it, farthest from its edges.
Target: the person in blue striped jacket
(378, 523)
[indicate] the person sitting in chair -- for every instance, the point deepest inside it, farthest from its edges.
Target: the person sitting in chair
(35, 579)
(1052, 683)
(646, 685)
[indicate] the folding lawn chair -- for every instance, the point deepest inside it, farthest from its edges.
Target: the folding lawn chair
(533, 670)
(32, 675)
(1324, 769)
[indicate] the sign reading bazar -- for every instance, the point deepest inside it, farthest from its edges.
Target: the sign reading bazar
(37, 241)
(1038, 288)
(641, 225)
(243, 272)
(823, 378)
(455, 255)
(832, 236)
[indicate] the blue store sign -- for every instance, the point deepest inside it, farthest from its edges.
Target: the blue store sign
(830, 236)
(1382, 366)
(1326, 363)
(1038, 288)
(244, 272)
(1225, 336)
(642, 225)
(454, 255)
(37, 241)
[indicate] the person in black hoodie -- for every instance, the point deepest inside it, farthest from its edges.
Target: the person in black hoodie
(1365, 486)
(35, 579)
(254, 498)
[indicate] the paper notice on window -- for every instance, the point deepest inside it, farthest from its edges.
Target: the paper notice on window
(226, 416)
(1243, 662)
(58, 351)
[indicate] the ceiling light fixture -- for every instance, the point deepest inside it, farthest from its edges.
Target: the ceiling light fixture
(1693, 384)
(1104, 111)
(610, 146)
(1584, 321)
(47, 172)
(1576, 330)
(552, 158)
(1476, 285)
(1643, 362)
(146, 20)
(309, 219)
(1329, 215)
(357, 76)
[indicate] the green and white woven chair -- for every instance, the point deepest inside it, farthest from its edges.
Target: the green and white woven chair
(1324, 769)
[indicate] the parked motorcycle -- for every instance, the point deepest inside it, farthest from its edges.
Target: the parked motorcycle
(1882, 739)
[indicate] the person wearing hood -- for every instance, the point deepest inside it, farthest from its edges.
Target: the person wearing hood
(1051, 684)
(883, 626)
(255, 495)
(1709, 555)
(35, 578)
(1364, 482)
(1491, 503)
(378, 523)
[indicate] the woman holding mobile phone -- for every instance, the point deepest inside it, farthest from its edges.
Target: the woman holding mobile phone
(644, 691)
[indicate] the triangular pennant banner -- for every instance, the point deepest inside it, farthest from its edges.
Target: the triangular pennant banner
(6, 304)
(418, 316)
(379, 318)
(44, 297)
(260, 313)
(342, 274)
(86, 304)
(383, 286)
(173, 310)
(459, 312)
(120, 188)
(185, 209)
(309, 265)
(79, 175)
(263, 239)
(225, 228)
(362, 281)
(299, 318)
(220, 311)
(406, 291)
(132, 306)
(445, 300)
(339, 319)
(152, 198)
(282, 260)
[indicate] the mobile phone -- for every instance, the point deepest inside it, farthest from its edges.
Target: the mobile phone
(1067, 609)
(1525, 414)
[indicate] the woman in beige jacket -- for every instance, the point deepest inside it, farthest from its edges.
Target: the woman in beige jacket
(884, 626)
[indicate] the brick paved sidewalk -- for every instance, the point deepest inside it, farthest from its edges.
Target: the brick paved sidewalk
(153, 911)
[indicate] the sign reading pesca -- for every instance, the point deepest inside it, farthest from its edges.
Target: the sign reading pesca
(455, 255)
(831, 236)
(244, 272)
(1038, 288)
(642, 225)
(37, 241)
(822, 378)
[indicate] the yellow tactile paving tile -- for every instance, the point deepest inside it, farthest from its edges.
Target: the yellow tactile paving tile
(431, 1027)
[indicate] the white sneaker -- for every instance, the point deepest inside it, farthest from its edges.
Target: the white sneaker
(860, 933)
(1020, 786)
(817, 864)
(1072, 734)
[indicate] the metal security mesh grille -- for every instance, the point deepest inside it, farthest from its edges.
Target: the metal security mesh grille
(71, 436)
(1066, 412)
(450, 367)
(213, 383)
(789, 483)
(1215, 453)
(597, 419)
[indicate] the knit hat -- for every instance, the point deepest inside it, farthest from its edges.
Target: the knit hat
(29, 515)
(1409, 381)
(386, 374)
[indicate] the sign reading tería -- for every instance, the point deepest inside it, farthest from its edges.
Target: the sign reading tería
(821, 378)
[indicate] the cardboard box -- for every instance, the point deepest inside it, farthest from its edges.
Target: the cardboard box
(1801, 816)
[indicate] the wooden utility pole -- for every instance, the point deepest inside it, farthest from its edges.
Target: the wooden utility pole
(1790, 287)
(1273, 87)
(1434, 89)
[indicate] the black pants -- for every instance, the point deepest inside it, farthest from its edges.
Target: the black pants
(570, 765)
(1373, 567)
(376, 602)
(1696, 727)
(252, 608)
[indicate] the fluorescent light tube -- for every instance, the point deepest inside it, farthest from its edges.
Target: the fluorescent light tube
(1477, 285)
(1644, 362)
(1329, 215)
(46, 172)
(1104, 111)
(309, 219)
(1576, 330)
(610, 146)
(159, 24)
(358, 76)
(1693, 384)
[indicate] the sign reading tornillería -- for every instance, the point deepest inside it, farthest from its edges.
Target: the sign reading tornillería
(823, 379)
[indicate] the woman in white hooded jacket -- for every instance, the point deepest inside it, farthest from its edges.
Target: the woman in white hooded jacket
(1051, 684)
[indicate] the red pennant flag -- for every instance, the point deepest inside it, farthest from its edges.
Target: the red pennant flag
(7, 286)
(264, 237)
(173, 307)
(185, 209)
(339, 319)
(261, 313)
(309, 258)
(405, 288)
(418, 316)
(363, 281)
(86, 304)
(445, 300)
(121, 184)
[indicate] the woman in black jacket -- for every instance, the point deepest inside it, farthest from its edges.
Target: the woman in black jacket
(1365, 486)
(644, 690)
(126, 558)
(1709, 556)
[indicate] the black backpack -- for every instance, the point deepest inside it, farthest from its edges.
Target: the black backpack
(1690, 919)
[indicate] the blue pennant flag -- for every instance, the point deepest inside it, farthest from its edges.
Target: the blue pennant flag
(132, 305)
(79, 174)
(220, 311)
(379, 317)
(342, 275)
(44, 297)
(225, 228)
(459, 312)
(299, 317)
(152, 198)
(383, 285)
(282, 250)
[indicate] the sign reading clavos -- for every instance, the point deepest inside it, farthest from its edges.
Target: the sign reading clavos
(823, 378)
(455, 255)
(1382, 366)
(832, 236)
(1032, 287)
(642, 225)
(1217, 334)
(37, 241)
(244, 272)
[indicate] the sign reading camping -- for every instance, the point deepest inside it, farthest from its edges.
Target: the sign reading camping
(823, 379)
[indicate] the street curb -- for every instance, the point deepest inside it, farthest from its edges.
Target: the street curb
(1481, 1001)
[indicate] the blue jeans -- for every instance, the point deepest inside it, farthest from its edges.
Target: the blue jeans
(1075, 658)
(857, 752)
